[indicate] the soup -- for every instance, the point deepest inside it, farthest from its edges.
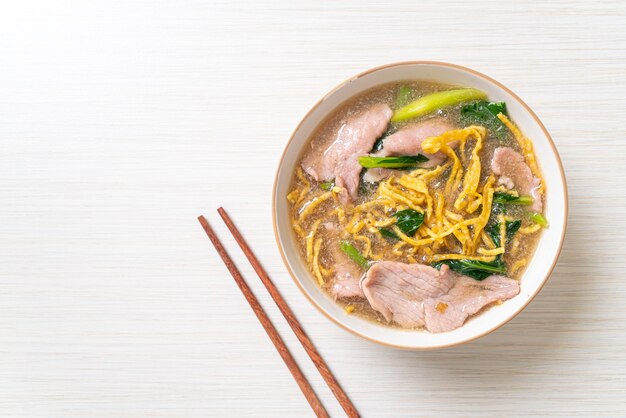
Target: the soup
(418, 205)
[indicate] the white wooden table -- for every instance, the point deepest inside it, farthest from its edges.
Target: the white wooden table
(121, 121)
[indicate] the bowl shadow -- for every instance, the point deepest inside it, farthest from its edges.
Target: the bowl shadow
(515, 355)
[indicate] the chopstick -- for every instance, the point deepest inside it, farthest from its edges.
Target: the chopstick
(282, 349)
(315, 356)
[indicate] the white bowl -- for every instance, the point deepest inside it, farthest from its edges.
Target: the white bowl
(543, 260)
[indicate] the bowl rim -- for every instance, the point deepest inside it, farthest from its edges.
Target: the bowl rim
(530, 298)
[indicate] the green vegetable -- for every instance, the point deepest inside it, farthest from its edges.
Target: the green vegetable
(486, 114)
(378, 145)
(327, 185)
(506, 198)
(432, 102)
(409, 220)
(478, 270)
(498, 208)
(354, 254)
(408, 161)
(403, 97)
(387, 233)
(493, 230)
(538, 218)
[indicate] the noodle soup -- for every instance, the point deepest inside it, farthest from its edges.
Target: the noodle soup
(418, 205)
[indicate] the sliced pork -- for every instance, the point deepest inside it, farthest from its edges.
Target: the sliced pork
(339, 160)
(345, 282)
(467, 297)
(515, 173)
(399, 290)
(408, 141)
(416, 295)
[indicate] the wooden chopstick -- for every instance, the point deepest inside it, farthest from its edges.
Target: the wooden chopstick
(315, 356)
(301, 380)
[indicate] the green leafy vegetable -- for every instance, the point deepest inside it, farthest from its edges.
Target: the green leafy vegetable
(327, 185)
(387, 233)
(506, 198)
(378, 145)
(498, 208)
(538, 218)
(486, 114)
(409, 220)
(512, 227)
(435, 101)
(478, 270)
(403, 97)
(392, 162)
(493, 230)
(354, 254)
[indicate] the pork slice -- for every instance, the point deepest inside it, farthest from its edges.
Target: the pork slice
(468, 296)
(408, 141)
(514, 172)
(345, 283)
(398, 290)
(416, 295)
(353, 139)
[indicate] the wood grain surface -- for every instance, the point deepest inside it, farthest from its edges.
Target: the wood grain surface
(266, 323)
(122, 121)
(291, 319)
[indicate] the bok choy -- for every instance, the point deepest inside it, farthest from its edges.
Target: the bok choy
(327, 185)
(435, 101)
(403, 97)
(486, 114)
(511, 228)
(538, 218)
(354, 254)
(408, 161)
(478, 270)
(409, 220)
(507, 198)
(387, 233)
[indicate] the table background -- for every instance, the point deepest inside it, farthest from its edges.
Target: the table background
(121, 121)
